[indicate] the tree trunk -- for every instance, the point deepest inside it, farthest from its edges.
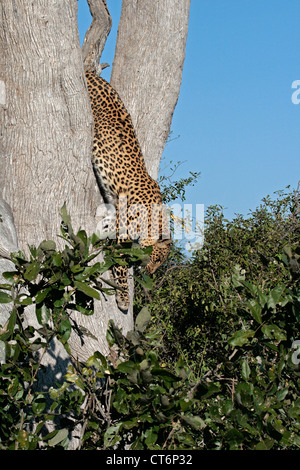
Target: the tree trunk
(46, 129)
(47, 123)
(147, 69)
(46, 120)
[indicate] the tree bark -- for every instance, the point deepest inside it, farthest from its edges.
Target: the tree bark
(147, 68)
(46, 120)
(47, 126)
(96, 35)
(46, 129)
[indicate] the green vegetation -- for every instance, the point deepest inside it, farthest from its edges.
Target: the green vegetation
(210, 364)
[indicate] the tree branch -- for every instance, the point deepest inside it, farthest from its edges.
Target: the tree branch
(96, 36)
(166, 272)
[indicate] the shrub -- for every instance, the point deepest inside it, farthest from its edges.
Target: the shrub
(209, 365)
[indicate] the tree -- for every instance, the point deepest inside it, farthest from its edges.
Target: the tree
(46, 121)
(147, 69)
(47, 124)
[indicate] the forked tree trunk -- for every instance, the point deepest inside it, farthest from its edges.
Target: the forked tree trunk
(46, 120)
(46, 129)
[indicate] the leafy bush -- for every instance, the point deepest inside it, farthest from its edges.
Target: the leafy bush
(202, 300)
(233, 313)
(141, 404)
(55, 283)
(209, 365)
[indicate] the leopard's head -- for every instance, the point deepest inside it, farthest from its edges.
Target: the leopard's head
(159, 254)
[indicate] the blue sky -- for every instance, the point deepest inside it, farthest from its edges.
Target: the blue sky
(235, 117)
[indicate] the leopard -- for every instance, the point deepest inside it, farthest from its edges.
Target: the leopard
(125, 183)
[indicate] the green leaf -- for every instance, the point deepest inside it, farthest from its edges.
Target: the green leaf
(105, 266)
(41, 295)
(73, 378)
(255, 309)
(267, 444)
(65, 280)
(240, 338)
(142, 319)
(133, 376)
(262, 298)
(164, 374)
(87, 290)
(32, 271)
(5, 298)
(276, 295)
(111, 283)
(117, 333)
(145, 282)
(43, 314)
(281, 394)
(238, 275)
(58, 437)
(194, 421)
(250, 287)
(273, 331)
(82, 236)
(66, 218)
(39, 404)
(134, 336)
(227, 407)
(12, 321)
(77, 268)
(48, 245)
(65, 329)
(13, 387)
(23, 299)
(56, 277)
(57, 259)
(151, 436)
(94, 360)
(37, 344)
(206, 390)
(234, 437)
(110, 338)
(83, 310)
(185, 404)
(10, 275)
(127, 366)
(243, 395)
(245, 370)
(90, 270)
(294, 410)
(23, 439)
(46, 332)
(146, 375)
(111, 435)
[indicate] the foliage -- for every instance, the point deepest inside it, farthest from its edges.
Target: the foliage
(210, 363)
(175, 189)
(233, 313)
(141, 404)
(55, 283)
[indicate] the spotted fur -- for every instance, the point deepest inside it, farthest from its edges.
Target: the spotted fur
(124, 181)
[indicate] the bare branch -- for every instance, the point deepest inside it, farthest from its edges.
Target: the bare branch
(96, 35)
